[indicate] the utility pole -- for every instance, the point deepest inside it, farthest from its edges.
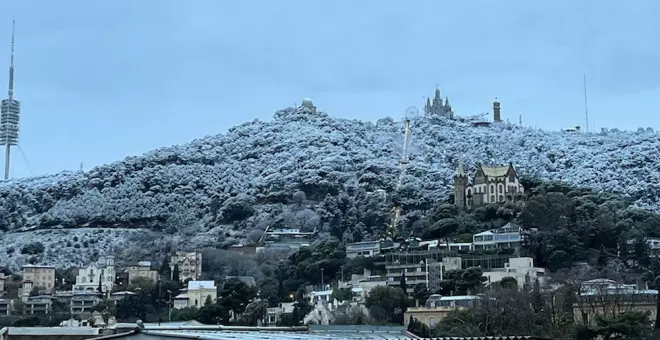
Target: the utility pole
(169, 306)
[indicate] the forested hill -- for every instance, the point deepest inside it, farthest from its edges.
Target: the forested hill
(306, 170)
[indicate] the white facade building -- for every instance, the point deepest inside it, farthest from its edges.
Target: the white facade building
(88, 278)
(508, 236)
(520, 268)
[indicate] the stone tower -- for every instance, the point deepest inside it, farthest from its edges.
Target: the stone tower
(460, 184)
(496, 111)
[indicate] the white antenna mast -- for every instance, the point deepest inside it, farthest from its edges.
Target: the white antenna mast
(586, 107)
(9, 112)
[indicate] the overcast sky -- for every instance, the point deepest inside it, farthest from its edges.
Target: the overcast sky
(102, 80)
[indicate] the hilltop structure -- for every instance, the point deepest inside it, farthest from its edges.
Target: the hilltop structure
(438, 107)
(307, 105)
(491, 184)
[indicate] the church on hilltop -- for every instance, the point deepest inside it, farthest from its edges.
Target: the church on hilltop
(491, 184)
(438, 107)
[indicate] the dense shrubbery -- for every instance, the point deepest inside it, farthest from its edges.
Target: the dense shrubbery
(243, 180)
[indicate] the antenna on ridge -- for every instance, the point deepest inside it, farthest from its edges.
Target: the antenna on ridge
(586, 107)
(11, 63)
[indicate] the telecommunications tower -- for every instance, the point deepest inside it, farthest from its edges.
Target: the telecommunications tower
(9, 112)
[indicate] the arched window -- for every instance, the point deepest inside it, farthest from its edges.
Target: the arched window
(469, 192)
(432, 322)
(492, 189)
(500, 188)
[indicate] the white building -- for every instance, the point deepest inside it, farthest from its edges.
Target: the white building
(520, 268)
(102, 271)
(509, 236)
(196, 294)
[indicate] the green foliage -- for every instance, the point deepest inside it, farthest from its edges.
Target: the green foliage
(630, 325)
(462, 281)
(150, 302)
(418, 328)
(387, 304)
(235, 295)
(342, 294)
(33, 248)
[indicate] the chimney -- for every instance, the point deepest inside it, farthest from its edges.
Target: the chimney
(496, 111)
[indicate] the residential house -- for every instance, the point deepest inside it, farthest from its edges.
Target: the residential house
(188, 263)
(610, 298)
(143, 270)
(6, 307)
(38, 304)
(3, 280)
(520, 268)
(42, 277)
(82, 303)
(437, 307)
(102, 273)
(196, 294)
(274, 314)
(509, 236)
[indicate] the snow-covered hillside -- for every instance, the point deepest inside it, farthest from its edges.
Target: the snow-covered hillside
(227, 186)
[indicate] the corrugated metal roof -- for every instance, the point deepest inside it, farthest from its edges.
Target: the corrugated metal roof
(52, 331)
(230, 335)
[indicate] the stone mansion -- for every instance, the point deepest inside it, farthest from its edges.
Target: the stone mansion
(491, 184)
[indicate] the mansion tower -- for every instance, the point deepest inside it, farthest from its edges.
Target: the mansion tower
(491, 184)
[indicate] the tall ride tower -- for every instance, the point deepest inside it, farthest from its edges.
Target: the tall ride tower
(10, 110)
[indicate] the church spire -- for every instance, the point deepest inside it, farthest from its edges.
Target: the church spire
(11, 64)
(460, 172)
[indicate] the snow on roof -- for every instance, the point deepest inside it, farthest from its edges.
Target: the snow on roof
(193, 285)
(495, 171)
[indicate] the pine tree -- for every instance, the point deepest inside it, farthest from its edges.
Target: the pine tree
(100, 288)
(176, 276)
(165, 270)
(403, 282)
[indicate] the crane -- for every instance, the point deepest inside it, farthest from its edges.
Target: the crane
(411, 113)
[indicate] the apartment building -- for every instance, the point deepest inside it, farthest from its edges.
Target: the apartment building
(188, 263)
(143, 270)
(509, 236)
(428, 272)
(520, 268)
(102, 272)
(42, 277)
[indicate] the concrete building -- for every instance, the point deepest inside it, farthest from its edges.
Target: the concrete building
(188, 263)
(437, 307)
(509, 236)
(42, 277)
(143, 270)
(196, 294)
(6, 307)
(82, 303)
(3, 283)
(274, 314)
(428, 272)
(103, 272)
(520, 268)
(610, 298)
(367, 248)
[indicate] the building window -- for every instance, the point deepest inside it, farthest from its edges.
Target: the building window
(431, 322)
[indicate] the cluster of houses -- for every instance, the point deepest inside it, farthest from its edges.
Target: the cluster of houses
(98, 281)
